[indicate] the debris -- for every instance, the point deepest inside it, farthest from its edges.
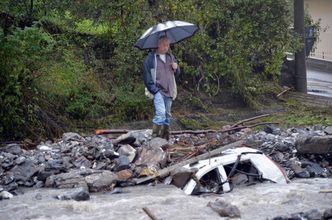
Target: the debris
(219, 181)
(149, 213)
(225, 209)
(165, 172)
(99, 163)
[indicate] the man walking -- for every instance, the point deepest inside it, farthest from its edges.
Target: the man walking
(160, 70)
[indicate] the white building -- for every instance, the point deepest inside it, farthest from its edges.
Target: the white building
(322, 9)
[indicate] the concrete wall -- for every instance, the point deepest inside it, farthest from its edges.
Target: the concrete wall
(322, 9)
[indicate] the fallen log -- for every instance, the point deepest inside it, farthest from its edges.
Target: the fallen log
(124, 131)
(112, 131)
(249, 119)
(165, 172)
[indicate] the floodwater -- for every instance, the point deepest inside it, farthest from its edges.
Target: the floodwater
(260, 201)
(319, 82)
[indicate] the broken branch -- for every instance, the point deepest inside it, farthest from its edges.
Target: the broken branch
(283, 92)
(149, 213)
(249, 119)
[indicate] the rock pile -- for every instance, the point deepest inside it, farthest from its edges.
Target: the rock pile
(303, 152)
(97, 163)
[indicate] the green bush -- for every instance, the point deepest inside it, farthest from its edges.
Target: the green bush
(22, 53)
(131, 104)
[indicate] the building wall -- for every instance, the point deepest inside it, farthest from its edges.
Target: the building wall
(322, 9)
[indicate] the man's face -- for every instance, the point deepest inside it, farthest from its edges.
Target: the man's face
(163, 46)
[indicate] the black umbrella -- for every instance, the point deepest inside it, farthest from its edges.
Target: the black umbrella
(175, 31)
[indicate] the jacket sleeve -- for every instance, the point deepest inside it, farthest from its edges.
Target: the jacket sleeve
(148, 81)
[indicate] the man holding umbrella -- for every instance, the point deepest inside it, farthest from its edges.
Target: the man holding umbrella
(160, 69)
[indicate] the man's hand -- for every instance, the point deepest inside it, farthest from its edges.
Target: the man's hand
(174, 66)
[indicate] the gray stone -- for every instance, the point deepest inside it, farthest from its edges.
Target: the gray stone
(270, 129)
(82, 162)
(10, 187)
(225, 209)
(44, 148)
(39, 184)
(128, 151)
(106, 153)
(24, 171)
(7, 179)
(328, 130)
(313, 214)
(5, 195)
(328, 214)
(38, 196)
(101, 181)
(314, 145)
(181, 176)
(316, 170)
(80, 194)
(158, 142)
(12, 149)
(122, 163)
(154, 157)
(281, 147)
(70, 136)
(72, 179)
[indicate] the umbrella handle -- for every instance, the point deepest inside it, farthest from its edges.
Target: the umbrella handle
(170, 52)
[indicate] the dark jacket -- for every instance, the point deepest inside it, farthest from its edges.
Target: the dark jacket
(149, 68)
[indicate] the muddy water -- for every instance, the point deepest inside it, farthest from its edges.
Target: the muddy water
(261, 201)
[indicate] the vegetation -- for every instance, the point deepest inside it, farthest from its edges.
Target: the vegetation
(67, 63)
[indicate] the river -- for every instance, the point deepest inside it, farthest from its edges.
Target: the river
(260, 201)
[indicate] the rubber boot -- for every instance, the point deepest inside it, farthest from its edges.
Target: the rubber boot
(156, 130)
(166, 132)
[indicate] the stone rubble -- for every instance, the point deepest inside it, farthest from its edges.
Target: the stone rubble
(97, 163)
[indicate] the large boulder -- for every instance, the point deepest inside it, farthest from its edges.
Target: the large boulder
(152, 157)
(102, 181)
(24, 172)
(314, 144)
(72, 179)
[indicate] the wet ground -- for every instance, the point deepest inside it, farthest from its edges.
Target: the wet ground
(260, 201)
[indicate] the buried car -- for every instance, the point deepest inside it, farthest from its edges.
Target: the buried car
(220, 174)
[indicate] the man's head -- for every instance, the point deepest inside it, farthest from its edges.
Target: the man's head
(163, 45)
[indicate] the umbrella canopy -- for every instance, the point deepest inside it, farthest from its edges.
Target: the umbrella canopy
(175, 31)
